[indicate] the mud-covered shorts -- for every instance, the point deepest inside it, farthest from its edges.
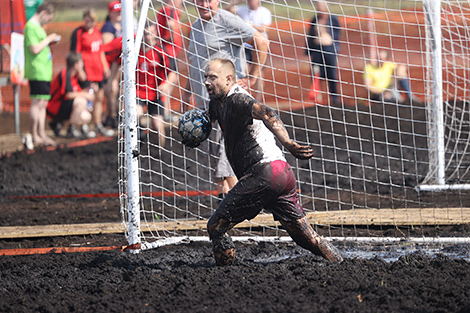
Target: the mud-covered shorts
(270, 186)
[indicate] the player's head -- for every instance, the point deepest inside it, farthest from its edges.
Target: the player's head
(383, 55)
(45, 13)
(114, 11)
(150, 34)
(321, 8)
(73, 59)
(89, 18)
(253, 4)
(220, 76)
(207, 8)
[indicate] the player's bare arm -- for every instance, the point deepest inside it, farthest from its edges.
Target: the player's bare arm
(276, 126)
(260, 44)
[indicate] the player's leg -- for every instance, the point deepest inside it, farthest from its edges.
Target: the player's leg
(303, 234)
(287, 209)
(222, 244)
(243, 202)
(156, 110)
(224, 176)
(34, 114)
(331, 76)
(79, 114)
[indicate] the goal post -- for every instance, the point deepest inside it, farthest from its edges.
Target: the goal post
(381, 167)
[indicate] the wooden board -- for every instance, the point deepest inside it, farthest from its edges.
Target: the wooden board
(385, 217)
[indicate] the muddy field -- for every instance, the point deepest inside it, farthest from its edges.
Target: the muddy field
(267, 278)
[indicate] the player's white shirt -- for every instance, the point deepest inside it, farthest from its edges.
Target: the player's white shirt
(258, 144)
(258, 17)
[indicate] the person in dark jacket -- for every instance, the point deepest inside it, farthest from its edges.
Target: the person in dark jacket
(323, 44)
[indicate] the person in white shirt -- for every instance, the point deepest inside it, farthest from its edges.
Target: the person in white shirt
(219, 33)
(260, 19)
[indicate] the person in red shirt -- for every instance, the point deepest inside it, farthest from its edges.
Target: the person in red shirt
(68, 101)
(112, 37)
(152, 75)
(169, 30)
(87, 41)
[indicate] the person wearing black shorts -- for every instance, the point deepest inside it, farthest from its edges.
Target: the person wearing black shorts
(265, 179)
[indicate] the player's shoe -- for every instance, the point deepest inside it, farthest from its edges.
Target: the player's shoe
(56, 127)
(87, 133)
(224, 256)
(73, 132)
(100, 129)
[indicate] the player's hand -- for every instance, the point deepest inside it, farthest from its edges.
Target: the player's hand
(54, 38)
(300, 152)
(244, 82)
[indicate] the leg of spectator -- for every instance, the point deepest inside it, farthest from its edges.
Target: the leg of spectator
(159, 126)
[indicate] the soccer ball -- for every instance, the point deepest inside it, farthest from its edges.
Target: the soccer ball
(194, 127)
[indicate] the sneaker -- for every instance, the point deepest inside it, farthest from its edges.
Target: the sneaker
(111, 122)
(73, 132)
(56, 127)
(99, 129)
(87, 133)
(28, 141)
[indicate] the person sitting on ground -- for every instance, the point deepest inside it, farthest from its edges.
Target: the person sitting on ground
(380, 76)
(68, 101)
(152, 74)
(265, 179)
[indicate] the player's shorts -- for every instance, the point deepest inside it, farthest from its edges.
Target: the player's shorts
(100, 83)
(40, 89)
(223, 168)
(270, 186)
(64, 112)
(155, 107)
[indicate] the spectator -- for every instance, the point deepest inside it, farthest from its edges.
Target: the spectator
(31, 6)
(38, 69)
(266, 179)
(112, 32)
(87, 41)
(260, 18)
(68, 101)
(380, 76)
(169, 30)
(323, 46)
(219, 33)
(152, 73)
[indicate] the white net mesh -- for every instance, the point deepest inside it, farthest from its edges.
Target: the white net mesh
(371, 147)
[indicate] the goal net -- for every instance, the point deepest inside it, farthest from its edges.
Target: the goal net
(391, 162)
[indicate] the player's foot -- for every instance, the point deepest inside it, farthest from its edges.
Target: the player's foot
(224, 257)
(28, 141)
(87, 133)
(56, 127)
(73, 132)
(99, 129)
(328, 251)
(48, 141)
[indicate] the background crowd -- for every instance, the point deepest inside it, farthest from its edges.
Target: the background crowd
(72, 101)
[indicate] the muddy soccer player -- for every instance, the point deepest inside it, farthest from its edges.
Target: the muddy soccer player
(266, 180)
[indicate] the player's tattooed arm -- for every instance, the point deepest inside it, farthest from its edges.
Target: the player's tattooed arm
(276, 126)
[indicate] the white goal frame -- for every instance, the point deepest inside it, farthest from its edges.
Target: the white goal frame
(434, 181)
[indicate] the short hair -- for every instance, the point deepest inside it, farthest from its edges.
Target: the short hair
(226, 65)
(91, 13)
(72, 59)
(46, 6)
